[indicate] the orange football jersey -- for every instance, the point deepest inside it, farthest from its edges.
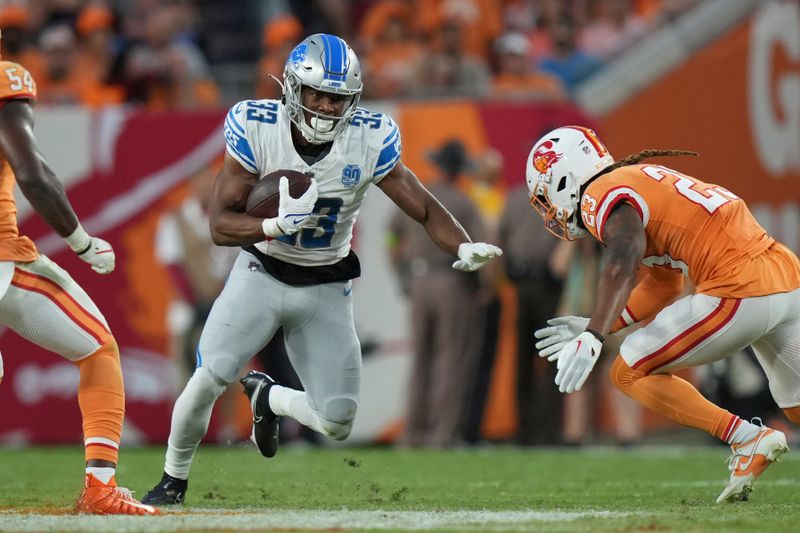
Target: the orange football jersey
(700, 229)
(15, 83)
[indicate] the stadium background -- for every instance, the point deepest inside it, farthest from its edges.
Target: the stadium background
(723, 78)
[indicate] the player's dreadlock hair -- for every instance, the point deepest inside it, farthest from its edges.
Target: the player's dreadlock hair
(645, 154)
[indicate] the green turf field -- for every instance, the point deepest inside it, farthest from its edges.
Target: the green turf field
(486, 489)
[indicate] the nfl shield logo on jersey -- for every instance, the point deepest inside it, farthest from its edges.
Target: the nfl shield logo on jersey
(351, 175)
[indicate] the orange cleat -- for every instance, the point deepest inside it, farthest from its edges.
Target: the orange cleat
(99, 498)
(749, 461)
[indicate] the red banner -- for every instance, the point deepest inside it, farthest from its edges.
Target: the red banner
(139, 163)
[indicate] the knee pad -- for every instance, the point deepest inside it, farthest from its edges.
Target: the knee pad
(337, 417)
(336, 430)
(208, 382)
(223, 369)
(793, 414)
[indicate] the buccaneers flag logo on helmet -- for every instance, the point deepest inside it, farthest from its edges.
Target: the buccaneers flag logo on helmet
(545, 157)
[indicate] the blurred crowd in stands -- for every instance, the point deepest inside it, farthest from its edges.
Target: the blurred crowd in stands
(174, 54)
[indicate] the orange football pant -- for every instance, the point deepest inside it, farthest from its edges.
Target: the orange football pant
(672, 397)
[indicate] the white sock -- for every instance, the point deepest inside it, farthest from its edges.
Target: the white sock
(190, 418)
(101, 473)
(289, 402)
(742, 431)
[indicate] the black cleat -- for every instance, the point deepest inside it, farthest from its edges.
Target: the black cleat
(169, 491)
(265, 422)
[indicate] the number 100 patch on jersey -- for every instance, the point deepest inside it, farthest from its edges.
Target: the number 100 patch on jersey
(16, 82)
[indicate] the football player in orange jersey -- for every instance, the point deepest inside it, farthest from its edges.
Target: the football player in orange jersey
(747, 289)
(43, 304)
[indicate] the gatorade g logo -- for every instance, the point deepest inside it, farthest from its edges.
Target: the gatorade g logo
(545, 157)
(773, 88)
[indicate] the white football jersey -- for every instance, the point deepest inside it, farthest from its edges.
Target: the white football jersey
(258, 135)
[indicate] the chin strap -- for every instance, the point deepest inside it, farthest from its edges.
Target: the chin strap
(279, 82)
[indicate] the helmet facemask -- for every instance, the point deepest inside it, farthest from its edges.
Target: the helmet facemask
(560, 220)
(319, 128)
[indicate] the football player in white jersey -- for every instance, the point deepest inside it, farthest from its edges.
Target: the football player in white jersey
(295, 270)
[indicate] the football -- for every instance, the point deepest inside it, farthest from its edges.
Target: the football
(264, 197)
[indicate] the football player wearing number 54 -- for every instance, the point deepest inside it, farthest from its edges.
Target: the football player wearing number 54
(295, 270)
(747, 289)
(42, 303)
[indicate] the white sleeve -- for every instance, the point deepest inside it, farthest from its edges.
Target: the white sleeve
(241, 131)
(389, 150)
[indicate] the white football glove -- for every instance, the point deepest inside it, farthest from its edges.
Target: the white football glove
(473, 255)
(562, 330)
(293, 213)
(100, 255)
(576, 360)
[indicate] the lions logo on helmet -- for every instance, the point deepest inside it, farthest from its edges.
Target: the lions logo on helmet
(325, 63)
(298, 55)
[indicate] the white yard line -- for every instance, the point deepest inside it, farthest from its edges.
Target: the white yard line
(211, 519)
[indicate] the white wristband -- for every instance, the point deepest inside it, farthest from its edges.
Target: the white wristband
(79, 240)
(271, 228)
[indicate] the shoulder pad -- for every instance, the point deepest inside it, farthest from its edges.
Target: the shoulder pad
(390, 148)
(16, 82)
(241, 123)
